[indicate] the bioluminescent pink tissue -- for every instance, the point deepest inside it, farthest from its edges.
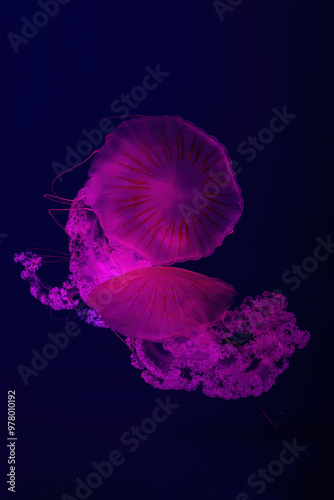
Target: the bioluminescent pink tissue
(164, 188)
(238, 357)
(162, 191)
(161, 303)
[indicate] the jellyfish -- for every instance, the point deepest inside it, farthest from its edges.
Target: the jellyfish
(161, 191)
(164, 188)
(239, 356)
(158, 303)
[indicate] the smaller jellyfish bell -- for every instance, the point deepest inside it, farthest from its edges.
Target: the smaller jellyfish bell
(165, 189)
(160, 303)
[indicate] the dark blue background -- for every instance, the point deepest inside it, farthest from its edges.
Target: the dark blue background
(226, 77)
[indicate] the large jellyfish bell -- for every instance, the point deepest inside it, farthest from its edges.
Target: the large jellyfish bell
(164, 188)
(160, 303)
(162, 191)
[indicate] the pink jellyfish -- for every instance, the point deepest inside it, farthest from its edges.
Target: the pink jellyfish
(238, 356)
(159, 303)
(165, 189)
(161, 191)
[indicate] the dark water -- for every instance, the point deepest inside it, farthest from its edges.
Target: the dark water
(230, 77)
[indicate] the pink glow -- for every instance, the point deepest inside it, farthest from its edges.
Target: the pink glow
(219, 360)
(165, 189)
(177, 323)
(159, 303)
